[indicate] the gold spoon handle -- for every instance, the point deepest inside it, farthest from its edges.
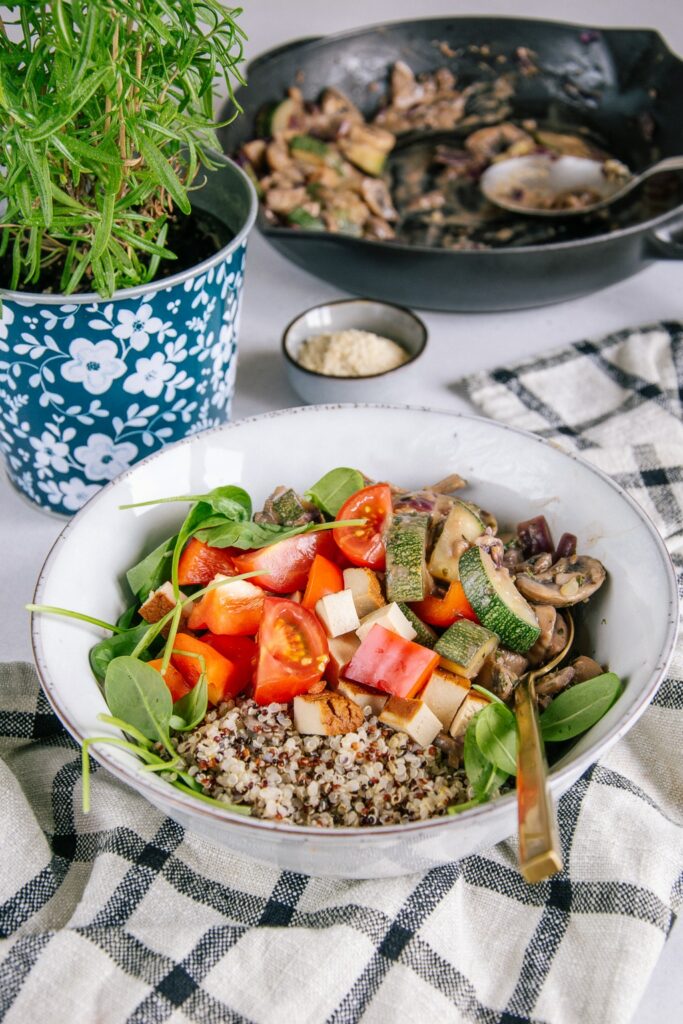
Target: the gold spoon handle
(539, 843)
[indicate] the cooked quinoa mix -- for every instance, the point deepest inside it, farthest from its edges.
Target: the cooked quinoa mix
(249, 754)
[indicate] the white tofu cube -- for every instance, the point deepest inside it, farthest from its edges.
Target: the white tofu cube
(326, 714)
(337, 612)
(472, 703)
(444, 693)
(391, 617)
(363, 696)
(413, 717)
(367, 593)
(342, 649)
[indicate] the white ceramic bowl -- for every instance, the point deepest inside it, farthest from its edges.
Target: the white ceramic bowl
(632, 619)
(383, 318)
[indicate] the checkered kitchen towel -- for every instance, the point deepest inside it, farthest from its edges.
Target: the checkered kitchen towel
(121, 916)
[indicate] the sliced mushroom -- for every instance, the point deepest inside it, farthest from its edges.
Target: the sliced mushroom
(546, 615)
(585, 668)
(284, 200)
(501, 671)
(406, 91)
(377, 196)
(376, 227)
(562, 584)
(449, 484)
(553, 684)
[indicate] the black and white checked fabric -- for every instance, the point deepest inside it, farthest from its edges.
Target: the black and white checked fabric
(122, 916)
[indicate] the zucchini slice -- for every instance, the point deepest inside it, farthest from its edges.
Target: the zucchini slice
(406, 568)
(495, 598)
(424, 634)
(463, 523)
(465, 646)
(288, 507)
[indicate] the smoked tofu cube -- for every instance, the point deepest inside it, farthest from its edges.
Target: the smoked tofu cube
(342, 649)
(363, 696)
(472, 703)
(326, 714)
(444, 693)
(337, 612)
(366, 591)
(160, 602)
(392, 618)
(413, 717)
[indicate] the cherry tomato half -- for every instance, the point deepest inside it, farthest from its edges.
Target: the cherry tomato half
(292, 652)
(285, 565)
(364, 545)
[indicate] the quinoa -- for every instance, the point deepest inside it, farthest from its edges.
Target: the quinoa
(248, 754)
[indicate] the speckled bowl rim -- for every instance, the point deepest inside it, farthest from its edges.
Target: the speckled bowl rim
(131, 772)
(347, 302)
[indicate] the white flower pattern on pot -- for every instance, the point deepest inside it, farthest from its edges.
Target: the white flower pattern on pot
(50, 452)
(93, 364)
(103, 459)
(75, 493)
(6, 320)
(150, 377)
(70, 369)
(138, 327)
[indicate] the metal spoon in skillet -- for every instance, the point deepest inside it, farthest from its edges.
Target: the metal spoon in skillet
(539, 844)
(543, 185)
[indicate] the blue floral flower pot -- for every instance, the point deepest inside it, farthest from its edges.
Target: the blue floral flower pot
(90, 385)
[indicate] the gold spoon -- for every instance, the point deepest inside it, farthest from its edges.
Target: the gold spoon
(539, 842)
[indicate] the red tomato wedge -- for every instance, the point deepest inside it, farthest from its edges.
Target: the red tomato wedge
(242, 651)
(292, 652)
(234, 609)
(173, 679)
(364, 545)
(222, 679)
(324, 578)
(199, 563)
(285, 565)
(444, 611)
(390, 663)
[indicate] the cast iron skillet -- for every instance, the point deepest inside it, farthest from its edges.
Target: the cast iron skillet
(623, 84)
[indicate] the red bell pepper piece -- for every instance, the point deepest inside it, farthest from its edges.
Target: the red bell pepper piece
(391, 663)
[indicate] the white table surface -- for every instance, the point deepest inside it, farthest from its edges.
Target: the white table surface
(458, 343)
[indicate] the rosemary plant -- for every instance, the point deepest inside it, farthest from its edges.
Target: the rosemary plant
(106, 118)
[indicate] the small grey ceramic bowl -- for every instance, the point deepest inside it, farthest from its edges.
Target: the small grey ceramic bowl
(383, 318)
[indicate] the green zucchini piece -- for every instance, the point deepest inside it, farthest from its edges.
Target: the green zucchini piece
(465, 646)
(463, 523)
(303, 219)
(288, 507)
(367, 158)
(406, 569)
(283, 116)
(425, 634)
(309, 145)
(495, 598)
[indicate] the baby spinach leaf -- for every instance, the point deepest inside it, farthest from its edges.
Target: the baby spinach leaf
(334, 488)
(496, 735)
(459, 808)
(151, 571)
(136, 693)
(230, 501)
(191, 709)
(483, 776)
(248, 536)
(104, 652)
(579, 707)
(126, 619)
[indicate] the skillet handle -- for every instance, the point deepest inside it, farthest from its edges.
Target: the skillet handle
(666, 243)
(277, 51)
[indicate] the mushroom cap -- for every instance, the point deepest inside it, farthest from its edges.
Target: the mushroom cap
(562, 584)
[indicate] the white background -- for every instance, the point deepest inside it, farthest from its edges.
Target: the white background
(459, 343)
